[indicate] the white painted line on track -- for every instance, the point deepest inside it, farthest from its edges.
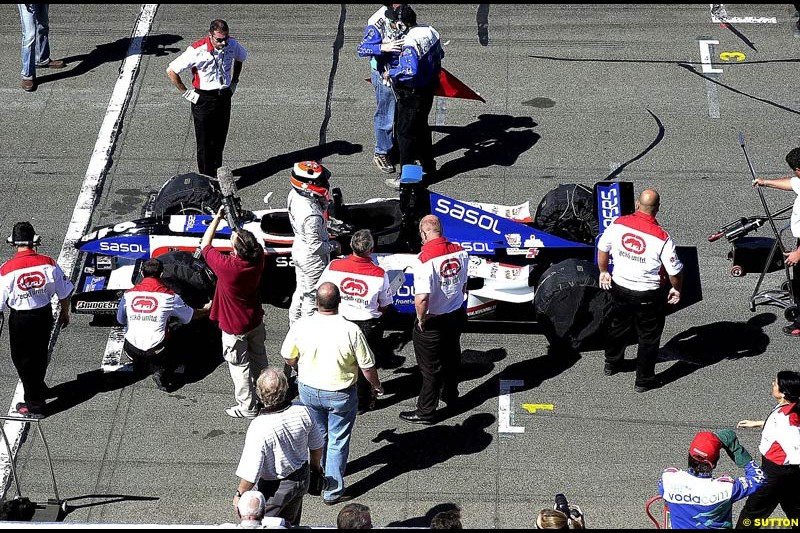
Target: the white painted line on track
(712, 91)
(504, 414)
(719, 15)
(84, 207)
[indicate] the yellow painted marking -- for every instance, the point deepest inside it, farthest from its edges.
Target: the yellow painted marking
(728, 56)
(533, 407)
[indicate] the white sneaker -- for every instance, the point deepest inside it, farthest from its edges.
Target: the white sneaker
(238, 412)
(393, 183)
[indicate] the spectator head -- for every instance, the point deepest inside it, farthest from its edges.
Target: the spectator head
(450, 519)
(354, 516)
(551, 519)
(788, 385)
(152, 268)
(649, 202)
(246, 246)
(328, 297)
(271, 387)
(793, 158)
(23, 234)
(704, 453)
(362, 243)
(252, 505)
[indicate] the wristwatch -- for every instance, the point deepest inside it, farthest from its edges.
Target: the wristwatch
(238, 493)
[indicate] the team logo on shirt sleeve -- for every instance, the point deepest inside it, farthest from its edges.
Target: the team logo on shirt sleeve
(31, 280)
(450, 268)
(354, 287)
(144, 304)
(633, 243)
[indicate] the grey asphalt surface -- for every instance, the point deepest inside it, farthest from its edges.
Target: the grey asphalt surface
(572, 92)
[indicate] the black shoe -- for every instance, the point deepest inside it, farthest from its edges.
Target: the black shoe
(163, 382)
(609, 369)
(414, 418)
(341, 498)
(22, 408)
(649, 385)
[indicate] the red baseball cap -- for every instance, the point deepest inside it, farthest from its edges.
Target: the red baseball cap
(705, 447)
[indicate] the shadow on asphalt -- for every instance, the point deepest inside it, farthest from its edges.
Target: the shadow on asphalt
(252, 174)
(709, 344)
(155, 45)
(489, 141)
(419, 450)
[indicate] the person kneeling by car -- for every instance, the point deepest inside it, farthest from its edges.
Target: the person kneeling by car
(145, 311)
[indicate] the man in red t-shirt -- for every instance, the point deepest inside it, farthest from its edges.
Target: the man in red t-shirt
(237, 308)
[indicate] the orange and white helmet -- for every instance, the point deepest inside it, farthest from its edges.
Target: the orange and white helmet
(311, 179)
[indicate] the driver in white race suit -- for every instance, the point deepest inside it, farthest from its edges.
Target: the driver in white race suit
(696, 500)
(312, 247)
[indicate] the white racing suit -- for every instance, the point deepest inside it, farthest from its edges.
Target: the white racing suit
(310, 251)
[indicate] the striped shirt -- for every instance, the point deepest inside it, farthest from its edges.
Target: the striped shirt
(780, 438)
(29, 280)
(277, 444)
(212, 69)
(363, 286)
(639, 248)
(441, 272)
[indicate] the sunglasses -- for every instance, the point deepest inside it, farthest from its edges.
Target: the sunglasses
(220, 40)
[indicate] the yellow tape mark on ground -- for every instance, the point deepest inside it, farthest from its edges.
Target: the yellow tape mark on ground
(533, 407)
(728, 56)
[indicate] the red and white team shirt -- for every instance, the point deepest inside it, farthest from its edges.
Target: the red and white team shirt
(639, 248)
(442, 273)
(145, 311)
(363, 286)
(212, 69)
(29, 281)
(780, 438)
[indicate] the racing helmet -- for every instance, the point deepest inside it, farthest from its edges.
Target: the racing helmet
(311, 179)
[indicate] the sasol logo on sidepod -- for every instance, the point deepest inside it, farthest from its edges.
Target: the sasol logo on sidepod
(144, 304)
(125, 247)
(450, 268)
(633, 243)
(609, 206)
(470, 216)
(31, 280)
(354, 287)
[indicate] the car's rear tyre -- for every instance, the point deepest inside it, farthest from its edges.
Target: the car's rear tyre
(568, 212)
(187, 194)
(570, 305)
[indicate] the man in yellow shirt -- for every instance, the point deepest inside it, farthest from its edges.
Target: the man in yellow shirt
(327, 351)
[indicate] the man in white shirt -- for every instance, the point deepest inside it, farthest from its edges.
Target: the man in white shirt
(216, 63)
(640, 249)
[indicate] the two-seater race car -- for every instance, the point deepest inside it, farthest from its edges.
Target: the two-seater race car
(524, 266)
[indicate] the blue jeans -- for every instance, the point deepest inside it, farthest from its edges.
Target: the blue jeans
(35, 37)
(384, 115)
(334, 412)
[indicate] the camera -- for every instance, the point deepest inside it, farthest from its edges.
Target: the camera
(573, 512)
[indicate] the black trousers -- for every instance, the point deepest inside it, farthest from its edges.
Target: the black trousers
(782, 487)
(285, 496)
(438, 353)
(644, 312)
(29, 339)
(154, 360)
(373, 331)
(212, 117)
(414, 138)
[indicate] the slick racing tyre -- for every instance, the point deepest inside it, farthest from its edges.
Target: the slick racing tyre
(187, 194)
(570, 305)
(568, 212)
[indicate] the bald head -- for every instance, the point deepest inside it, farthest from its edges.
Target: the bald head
(648, 202)
(328, 297)
(252, 505)
(431, 226)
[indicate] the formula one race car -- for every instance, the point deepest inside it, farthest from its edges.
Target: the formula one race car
(523, 266)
